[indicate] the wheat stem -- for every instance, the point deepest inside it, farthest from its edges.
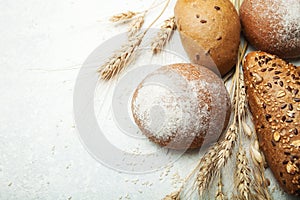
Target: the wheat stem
(220, 194)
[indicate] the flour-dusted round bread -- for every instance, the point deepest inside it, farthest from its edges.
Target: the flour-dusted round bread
(273, 91)
(181, 106)
(272, 26)
(210, 32)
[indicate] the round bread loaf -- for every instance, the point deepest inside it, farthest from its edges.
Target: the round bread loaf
(181, 106)
(210, 32)
(272, 26)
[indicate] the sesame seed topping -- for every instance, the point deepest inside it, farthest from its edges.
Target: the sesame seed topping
(295, 91)
(291, 107)
(217, 7)
(297, 99)
(284, 106)
(269, 85)
(295, 131)
(278, 72)
(281, 83)
(263, 69)
(289, 88)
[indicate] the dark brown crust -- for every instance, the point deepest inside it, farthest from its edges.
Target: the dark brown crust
(273, 91)
(261, 32)
(210, 32)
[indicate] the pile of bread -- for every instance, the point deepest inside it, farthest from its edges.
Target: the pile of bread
(187, 105)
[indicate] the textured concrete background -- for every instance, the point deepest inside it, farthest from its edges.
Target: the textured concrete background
(42, 45)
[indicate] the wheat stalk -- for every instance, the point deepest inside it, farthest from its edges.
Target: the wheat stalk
(120, 59)
(217, 155)
(164, 35)
(259, 183)
(125, 55)
(136, 25)
(124, 16)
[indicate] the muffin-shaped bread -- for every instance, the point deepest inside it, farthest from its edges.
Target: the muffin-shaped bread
(181, 106)
(272, 26)
(210, 32)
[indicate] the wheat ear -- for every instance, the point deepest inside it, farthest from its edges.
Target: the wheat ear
(242, 176)
(136, 25)
(260, 185)
(120, 59)
(173, 196)
(125, 16)
(164, 35)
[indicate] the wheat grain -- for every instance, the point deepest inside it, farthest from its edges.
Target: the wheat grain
(246, 128)
(242, 176)
(260, 184)
(136, 25)
(255, 154)
(164, 35)
(125, 16)
(120, 59)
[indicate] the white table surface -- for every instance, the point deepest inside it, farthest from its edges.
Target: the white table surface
(43, 45)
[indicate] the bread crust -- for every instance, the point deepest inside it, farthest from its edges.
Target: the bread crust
(268, 27)
(273, 92)
(210, 32)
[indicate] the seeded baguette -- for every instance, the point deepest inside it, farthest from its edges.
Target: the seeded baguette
(272, 87)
